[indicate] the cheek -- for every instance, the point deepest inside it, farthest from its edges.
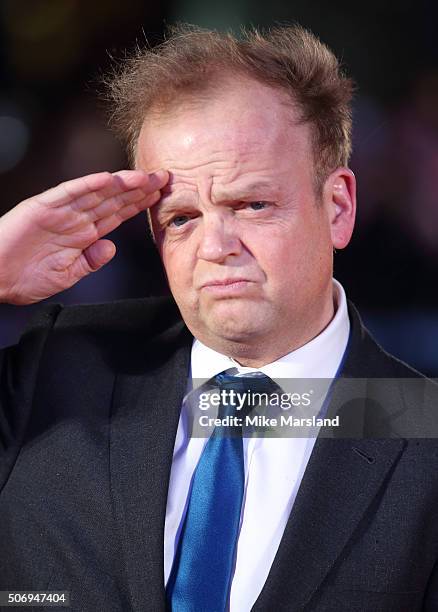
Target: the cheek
(178, 265)
(294, 255)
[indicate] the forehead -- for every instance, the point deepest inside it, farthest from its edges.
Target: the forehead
(247, 125)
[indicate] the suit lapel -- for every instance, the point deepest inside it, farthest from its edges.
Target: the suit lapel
(342, 479)
(145, 417)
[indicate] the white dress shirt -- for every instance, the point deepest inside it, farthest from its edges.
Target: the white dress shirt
(274, 467)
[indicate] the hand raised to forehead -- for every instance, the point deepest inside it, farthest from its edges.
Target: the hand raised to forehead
(52, 240)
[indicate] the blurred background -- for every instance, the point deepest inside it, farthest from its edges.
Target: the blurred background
(52, 128)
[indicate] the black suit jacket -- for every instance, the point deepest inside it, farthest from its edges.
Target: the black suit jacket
(90, 400)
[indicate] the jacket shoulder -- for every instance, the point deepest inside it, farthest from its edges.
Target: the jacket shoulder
(121, 334)
(148, 316)
(401, 402)
(367, 358)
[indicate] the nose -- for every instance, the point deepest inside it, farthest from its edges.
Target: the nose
(218, 239)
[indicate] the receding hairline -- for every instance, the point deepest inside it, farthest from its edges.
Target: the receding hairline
(288, 56)
(164, 112)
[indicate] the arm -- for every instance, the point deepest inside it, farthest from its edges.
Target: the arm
(18, 371)
(47, 244)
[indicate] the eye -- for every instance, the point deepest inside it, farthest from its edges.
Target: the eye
(179, 220)
(259, 205)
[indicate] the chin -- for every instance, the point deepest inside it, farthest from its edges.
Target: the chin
(229, 322)
(232, 330)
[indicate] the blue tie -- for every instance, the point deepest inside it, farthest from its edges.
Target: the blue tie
(202, 570)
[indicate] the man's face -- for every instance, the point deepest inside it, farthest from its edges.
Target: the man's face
(246, 247)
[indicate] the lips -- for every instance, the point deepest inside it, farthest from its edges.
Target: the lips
(225, 282)
(227, 287)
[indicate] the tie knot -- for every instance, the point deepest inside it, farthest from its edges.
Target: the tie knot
(257, 381)
(240, 393)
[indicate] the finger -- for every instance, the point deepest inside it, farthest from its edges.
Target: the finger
(127, 185)
(91, 259)
(131, 179)
(108, 224)
(84, 229)
(136, 198)
(93, 188)
(76, 188)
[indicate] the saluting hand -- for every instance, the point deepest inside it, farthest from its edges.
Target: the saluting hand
(50, 241)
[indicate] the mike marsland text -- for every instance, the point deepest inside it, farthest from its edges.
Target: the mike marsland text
(264, 421)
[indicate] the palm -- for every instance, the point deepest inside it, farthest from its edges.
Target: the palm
(50, 241)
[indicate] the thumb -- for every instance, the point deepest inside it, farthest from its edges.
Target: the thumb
(98, 254)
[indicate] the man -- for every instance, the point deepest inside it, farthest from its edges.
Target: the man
(241, 150)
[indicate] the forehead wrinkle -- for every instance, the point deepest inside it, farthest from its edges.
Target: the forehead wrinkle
(192, 184)
(196, 162)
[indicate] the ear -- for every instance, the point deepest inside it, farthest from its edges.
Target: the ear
(339, 195)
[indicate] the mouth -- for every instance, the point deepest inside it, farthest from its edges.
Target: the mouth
(229, 286)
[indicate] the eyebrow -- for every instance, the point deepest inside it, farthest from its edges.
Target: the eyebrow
(171, 201)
